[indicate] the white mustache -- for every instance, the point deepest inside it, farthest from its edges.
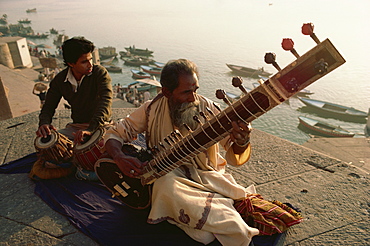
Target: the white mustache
(186, 106)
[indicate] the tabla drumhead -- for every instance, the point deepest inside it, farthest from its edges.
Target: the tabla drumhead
(49, 141)
(93, 138)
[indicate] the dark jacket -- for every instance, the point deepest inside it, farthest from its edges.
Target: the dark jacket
(92, 103)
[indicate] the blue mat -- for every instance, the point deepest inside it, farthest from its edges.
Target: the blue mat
(90, 208)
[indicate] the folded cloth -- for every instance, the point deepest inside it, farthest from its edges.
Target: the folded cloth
(269, 217)
(21, 165)
(90, 208)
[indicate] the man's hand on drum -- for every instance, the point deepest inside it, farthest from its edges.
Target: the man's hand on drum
(45, 130)
(129, 165)
(79, 136)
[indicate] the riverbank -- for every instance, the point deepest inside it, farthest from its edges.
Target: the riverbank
(330, 188)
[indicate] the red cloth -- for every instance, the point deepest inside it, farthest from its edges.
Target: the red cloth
(268, 217)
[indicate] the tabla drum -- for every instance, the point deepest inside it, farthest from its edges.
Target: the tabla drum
(55, 147)
(87, 153)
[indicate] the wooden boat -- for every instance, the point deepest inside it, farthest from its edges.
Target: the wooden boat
(232, 97)
(31, 10)
(107, 52)
(113, 69)
(140, 74)
(136, 61)
(303, 93)
(151, 70)
(324, 128)
(3, 19)
(159, 64)
(108, 62)
(38, 35)
(124, 54)
(140, 52)
(334, 109)
(24, 21)
(59, 40)
(53, 31)
(142, 85)
(255, 84)
(246, 71)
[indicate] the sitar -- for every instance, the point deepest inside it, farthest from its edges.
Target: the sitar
(306, 69)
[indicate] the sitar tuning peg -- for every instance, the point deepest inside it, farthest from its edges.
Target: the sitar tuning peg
(270, 59)
(196, 118)
(220, 94)
(203, 115)
(288, 45)
(307, 29)
(237, 82)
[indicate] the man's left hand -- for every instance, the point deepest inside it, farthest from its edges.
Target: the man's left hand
(240, 134)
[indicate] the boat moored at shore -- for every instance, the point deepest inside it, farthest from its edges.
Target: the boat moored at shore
(140, 52)
(151, 70)
(249, 72)
(334, 110)
(140, 74)
(323, 128)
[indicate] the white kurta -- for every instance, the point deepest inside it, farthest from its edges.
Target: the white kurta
(197, 197)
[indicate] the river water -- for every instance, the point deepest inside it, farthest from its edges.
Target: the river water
(215, 32)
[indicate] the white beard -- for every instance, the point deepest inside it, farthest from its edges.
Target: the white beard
(184, 114)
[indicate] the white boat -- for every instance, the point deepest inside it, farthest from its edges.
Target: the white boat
(334, 109)
(151, 69)
(246, 71)
(324, 128)
(140, 74)
(159, 64)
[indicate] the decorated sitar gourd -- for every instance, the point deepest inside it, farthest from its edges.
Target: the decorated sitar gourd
(314, 64)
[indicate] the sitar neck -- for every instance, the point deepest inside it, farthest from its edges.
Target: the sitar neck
(308, 68)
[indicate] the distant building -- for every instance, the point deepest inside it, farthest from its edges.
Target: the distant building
(96, 57)
(14, 52)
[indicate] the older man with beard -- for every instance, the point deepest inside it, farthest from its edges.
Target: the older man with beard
(198, 196)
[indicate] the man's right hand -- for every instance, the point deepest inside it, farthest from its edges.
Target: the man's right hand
(45, 130)
(129, 165)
